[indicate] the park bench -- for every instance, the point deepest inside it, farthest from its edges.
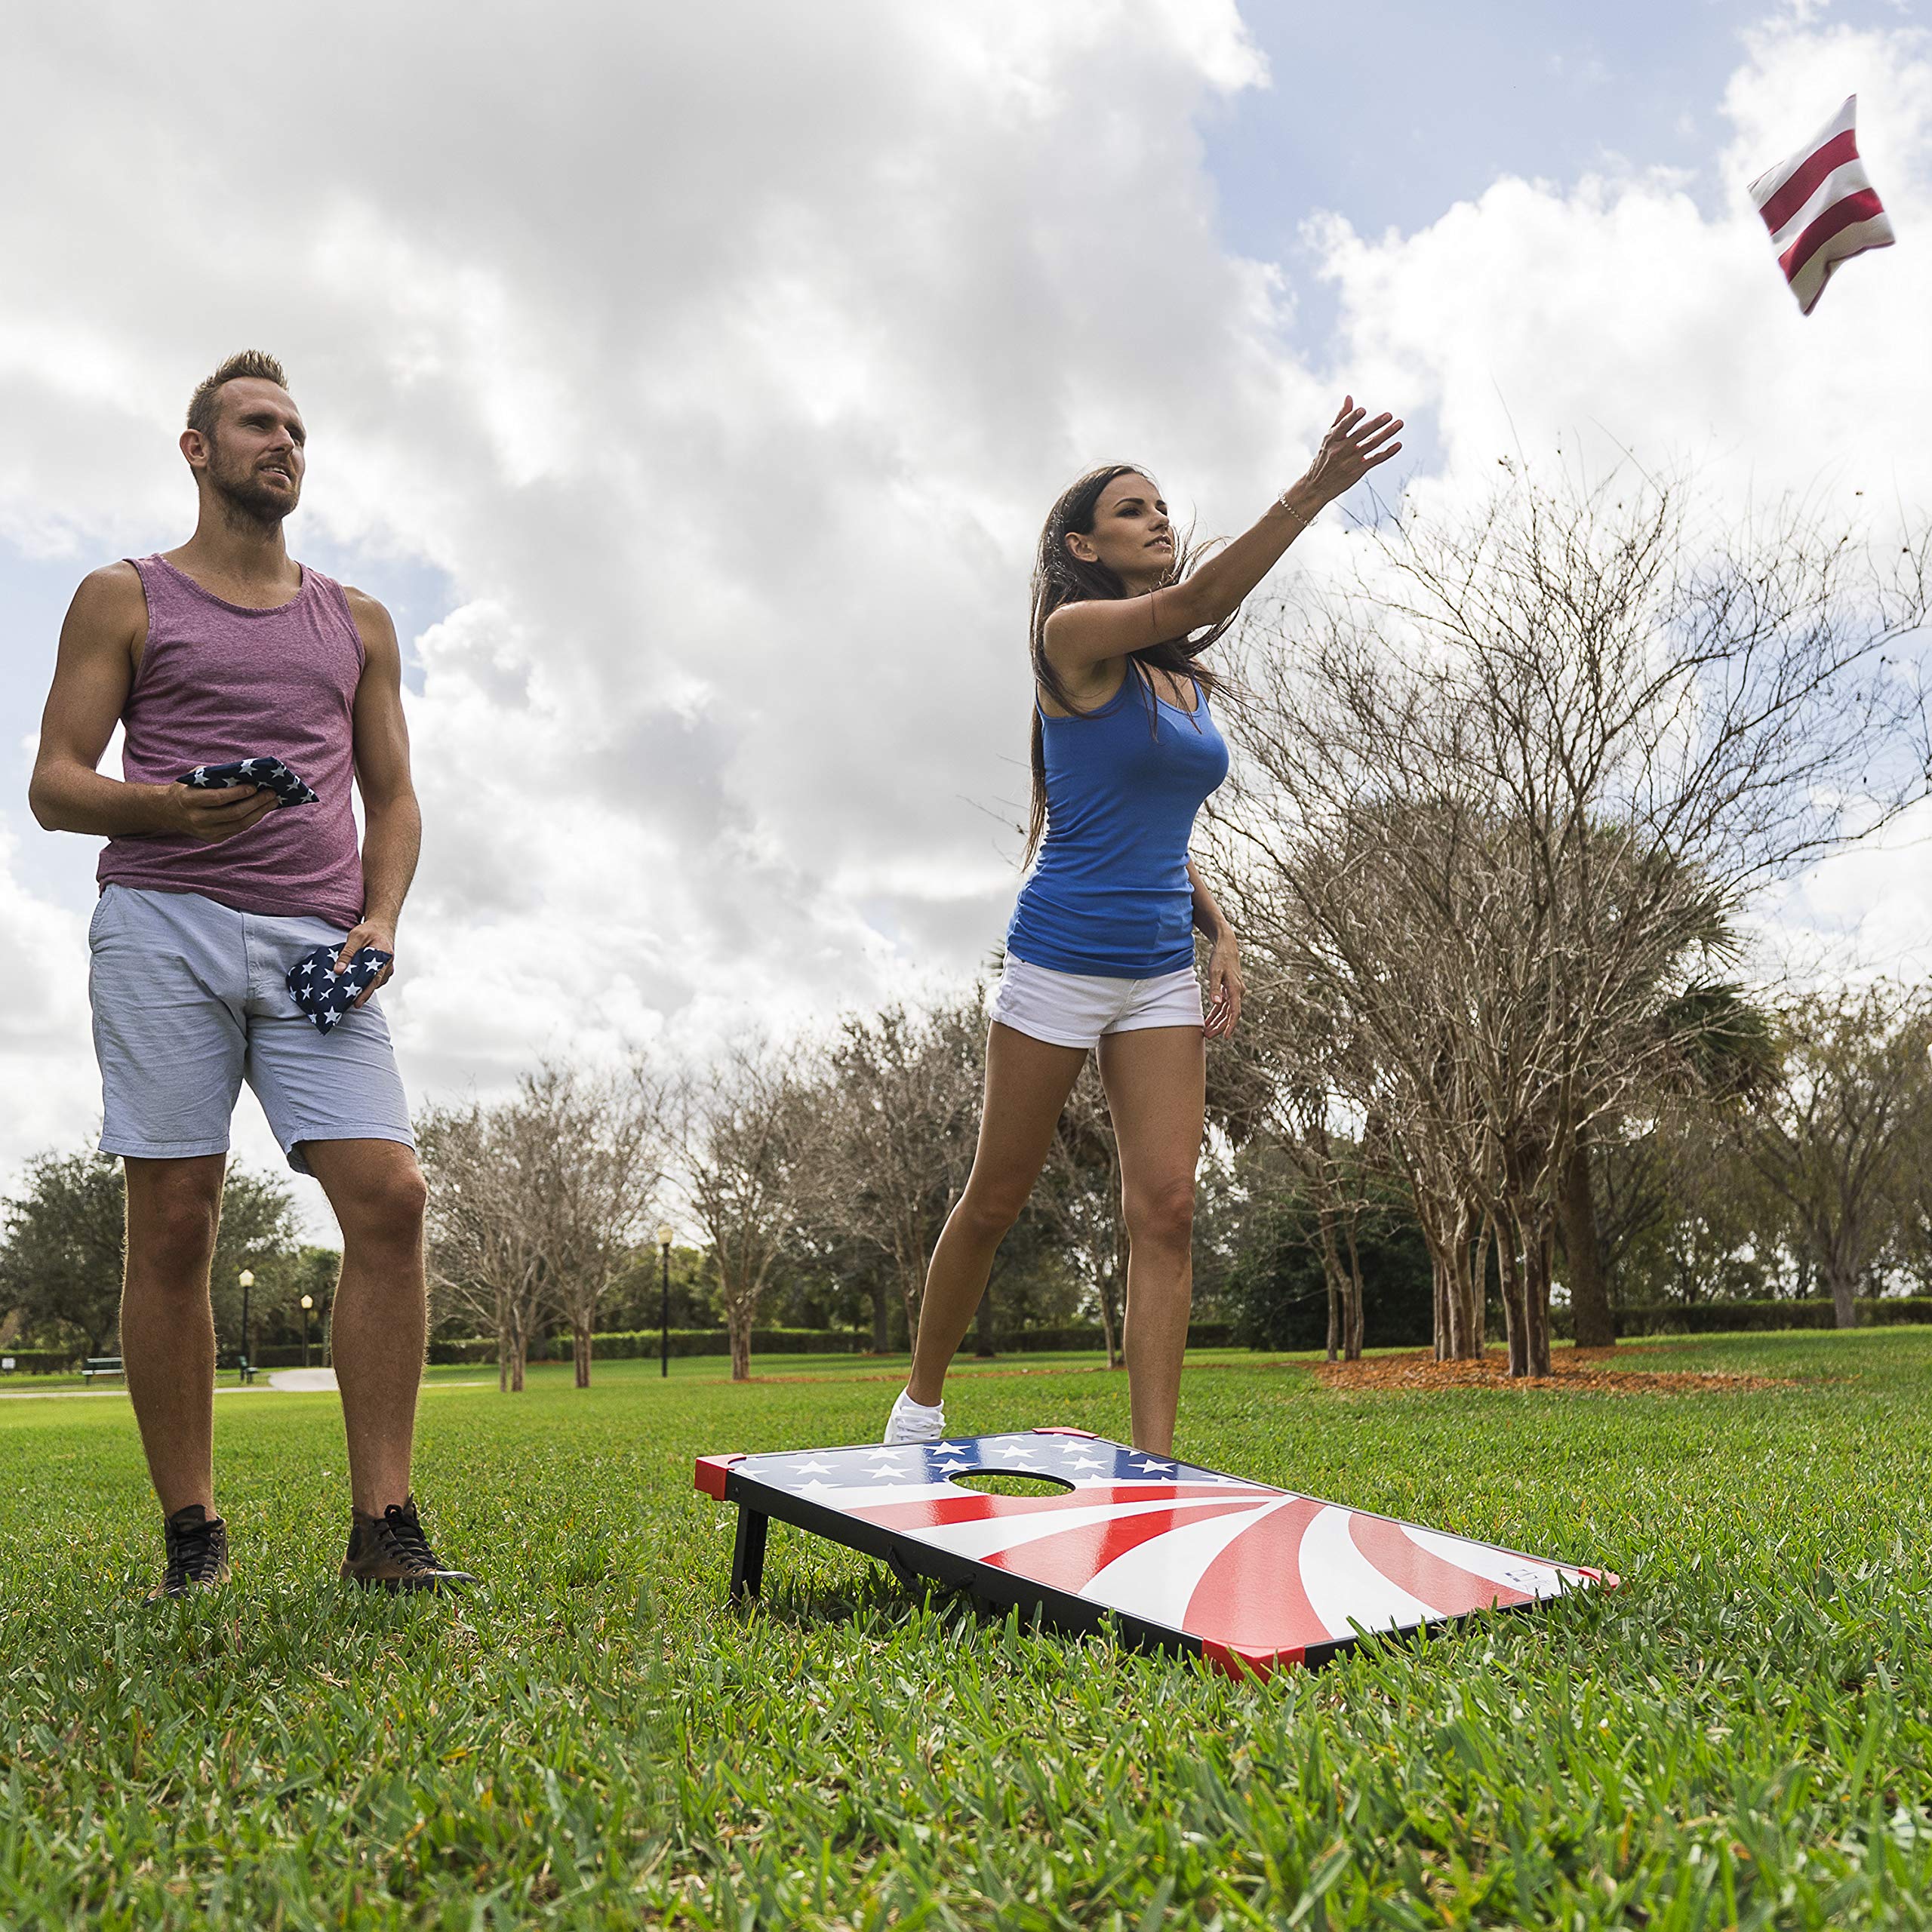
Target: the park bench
(102, 1365)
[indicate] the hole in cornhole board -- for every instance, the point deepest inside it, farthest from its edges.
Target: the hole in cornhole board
(1003, 1482)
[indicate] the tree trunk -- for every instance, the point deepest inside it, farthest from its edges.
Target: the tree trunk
(1582, 1252)
(1110, 1324)
(1478, 1292)
(1457, 1305)
(1438, 1273)
(1844, 1285)
(1539, 1251)
(1331, 1277)
(1516, 1312)
(1352, 1309)
(581, 1351)
(505, 1348)
(909, 1293)
(986, 1328)
(881, 1320)
(739, 1322)
(519, 1356)
(1465, 1287)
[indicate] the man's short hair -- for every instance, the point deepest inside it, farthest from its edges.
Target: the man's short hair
(205, 403)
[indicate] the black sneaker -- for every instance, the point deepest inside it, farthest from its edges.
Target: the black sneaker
(197, 1554)
(390, 1552)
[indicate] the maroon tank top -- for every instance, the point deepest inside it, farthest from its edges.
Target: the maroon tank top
(219, 682)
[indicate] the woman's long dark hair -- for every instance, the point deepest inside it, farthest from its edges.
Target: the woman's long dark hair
(1060, 577)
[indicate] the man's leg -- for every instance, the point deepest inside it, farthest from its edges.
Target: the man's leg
(381, 1317)
(167, 1326)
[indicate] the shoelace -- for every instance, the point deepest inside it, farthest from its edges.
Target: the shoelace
(405, 1531)
(194, 1559)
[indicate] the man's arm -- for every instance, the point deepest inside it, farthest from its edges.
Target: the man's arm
(106, 624)
(391, 821)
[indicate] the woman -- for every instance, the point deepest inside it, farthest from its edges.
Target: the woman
(1100, 952)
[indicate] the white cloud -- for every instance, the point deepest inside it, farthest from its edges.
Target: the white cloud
(1618, 315)
(1617, 312)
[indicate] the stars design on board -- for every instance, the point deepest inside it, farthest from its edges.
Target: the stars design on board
(266, 774)
(326, 995)
(874, 1469)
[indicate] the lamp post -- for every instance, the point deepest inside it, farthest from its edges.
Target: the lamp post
(308, 1303)
(666, 1234)
(247, 1278)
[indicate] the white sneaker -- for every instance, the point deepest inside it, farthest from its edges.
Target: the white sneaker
(914, 1422)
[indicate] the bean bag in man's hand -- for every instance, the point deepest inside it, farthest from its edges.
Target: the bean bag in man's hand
(266, 774)
(326, 995)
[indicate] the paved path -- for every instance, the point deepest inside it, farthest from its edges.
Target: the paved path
(297, 1381)
(95, 1395)
(305, 1380)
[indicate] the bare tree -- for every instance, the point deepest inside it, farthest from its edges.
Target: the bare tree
(487, 1167)
(602, 1142)
(1840, 1139)
(901, 1114)
(741, 1136)
(1079, 1202)
(1724, 1054)
(1275, 1082)
(1495, 800)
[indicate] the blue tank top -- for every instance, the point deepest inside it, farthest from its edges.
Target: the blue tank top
(1110, 897)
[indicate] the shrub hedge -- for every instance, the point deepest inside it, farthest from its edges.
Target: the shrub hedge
(45, 1362)
(1709, 1318)
(1642, 1318)
(644, 1343)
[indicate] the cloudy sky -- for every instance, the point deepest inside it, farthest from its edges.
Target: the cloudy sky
(691, 381)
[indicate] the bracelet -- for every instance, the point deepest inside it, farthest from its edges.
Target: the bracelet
(1307, 523)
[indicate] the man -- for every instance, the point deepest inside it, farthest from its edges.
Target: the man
(222, 650)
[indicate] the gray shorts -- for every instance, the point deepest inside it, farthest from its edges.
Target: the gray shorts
(189, 1000)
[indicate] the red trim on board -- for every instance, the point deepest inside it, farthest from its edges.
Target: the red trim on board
(1238, 1660)
(711, 1474)
(1061, 1429)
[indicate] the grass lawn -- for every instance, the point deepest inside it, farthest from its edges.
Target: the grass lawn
(1739, 1735)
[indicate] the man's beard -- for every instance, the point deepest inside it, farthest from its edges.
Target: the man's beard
(247, 498)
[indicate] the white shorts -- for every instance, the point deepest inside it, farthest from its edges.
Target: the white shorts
(1075, 1009)
(189, 1001)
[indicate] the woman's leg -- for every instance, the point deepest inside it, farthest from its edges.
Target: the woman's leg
(1027, 1083)
(1156, 1083)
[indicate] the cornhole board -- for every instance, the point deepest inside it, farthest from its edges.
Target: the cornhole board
(1179, 1557)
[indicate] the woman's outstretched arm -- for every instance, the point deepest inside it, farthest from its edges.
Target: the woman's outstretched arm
(1079, 635)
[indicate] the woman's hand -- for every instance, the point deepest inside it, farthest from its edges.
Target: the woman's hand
(1352, 448)
(1223, 986)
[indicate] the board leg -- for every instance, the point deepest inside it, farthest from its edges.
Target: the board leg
(748, 1555)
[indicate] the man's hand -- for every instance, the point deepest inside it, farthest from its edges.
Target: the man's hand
(1223, 986)
(213, 816)
(371, 932)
